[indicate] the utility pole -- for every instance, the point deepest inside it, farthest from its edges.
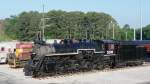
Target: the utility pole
(113, 32)
(107, 29)
(126, 35)
(106, 33)
(43, 21)
(134, 34)
(141, 23)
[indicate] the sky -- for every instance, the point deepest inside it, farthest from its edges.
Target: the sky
(124, 11)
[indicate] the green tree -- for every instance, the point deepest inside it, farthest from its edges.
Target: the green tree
(146, 32)
(128, 32)
(62, 24)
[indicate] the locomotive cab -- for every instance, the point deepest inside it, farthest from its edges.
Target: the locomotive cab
(110, 47)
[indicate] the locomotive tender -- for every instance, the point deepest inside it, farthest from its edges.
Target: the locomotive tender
(70, 56)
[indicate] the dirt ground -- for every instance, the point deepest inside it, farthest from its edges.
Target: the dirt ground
(135, 75)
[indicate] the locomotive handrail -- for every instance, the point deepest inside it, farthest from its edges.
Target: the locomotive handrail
(110, 55)
(75, 53)
(90, 49)
(61, 54)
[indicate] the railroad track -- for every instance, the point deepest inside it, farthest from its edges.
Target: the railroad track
(93, 71)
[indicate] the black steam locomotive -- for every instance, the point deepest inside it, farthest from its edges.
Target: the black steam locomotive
(71, 56)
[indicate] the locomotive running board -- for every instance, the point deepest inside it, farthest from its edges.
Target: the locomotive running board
(61, 54)
(109, 55)
(76, 53)
(90, 49)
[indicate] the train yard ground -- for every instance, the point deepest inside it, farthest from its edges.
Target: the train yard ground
(134, 75)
